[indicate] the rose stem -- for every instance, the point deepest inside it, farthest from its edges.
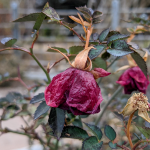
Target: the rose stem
(139, 142)
(128, 130)
(109, 101)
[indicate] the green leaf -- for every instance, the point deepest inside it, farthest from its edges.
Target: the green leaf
(71, 58)
(77, 122)
(95, 36)
(96, 20)
(140, 62)
(93, 53)
(39, 121)
(99, 63)
(110, 132)
(103, 35)
(56, 121)
(145, 131)
(71, 25)
(119, 48)
(41, 109)
(120, 44)
(39, 21)
(8, 41)
(13, 107)
(86, 11)
(75, 49)
(112, 145)
(95, 130)
(119, 52)
(30, 17)
(38, 98)
(97, 14)
(93, 42)
(116, 37)
(5, 100)
(91, 143)
(74, 132)
(105, 55)
(15, 97)
(113, 33)
(60, 49)
(51, 13)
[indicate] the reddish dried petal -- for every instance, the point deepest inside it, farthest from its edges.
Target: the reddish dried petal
(84, 94)
(99, 72)
(133, 79)
(74, 90)
(54, 93)
(137, 74)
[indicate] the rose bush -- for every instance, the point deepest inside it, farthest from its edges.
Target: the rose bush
(76, 91)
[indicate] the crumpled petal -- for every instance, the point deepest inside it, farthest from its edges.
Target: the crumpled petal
(99, 72)
(144, 115)
(85, 95)
(54, 93)
(133, 79)
(137, 74)
(74, 90)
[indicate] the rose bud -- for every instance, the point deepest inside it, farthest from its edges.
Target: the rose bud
(133, 79)
(76, 91)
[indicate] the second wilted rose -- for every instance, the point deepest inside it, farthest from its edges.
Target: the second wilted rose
(133, 79)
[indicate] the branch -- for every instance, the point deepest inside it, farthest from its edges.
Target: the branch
(71, 29)
(123, 147)
(139, 142)
(60, 61)
(6, 130)
(15, 48)
(36, 37)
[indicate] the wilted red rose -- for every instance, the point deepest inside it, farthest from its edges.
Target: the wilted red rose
(76, 91)
(133, 79)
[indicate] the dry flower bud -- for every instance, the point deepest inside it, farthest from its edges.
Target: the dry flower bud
(137, 101)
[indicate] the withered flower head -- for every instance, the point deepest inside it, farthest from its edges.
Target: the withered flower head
(133, 78)
(137, 101)
(75, 89)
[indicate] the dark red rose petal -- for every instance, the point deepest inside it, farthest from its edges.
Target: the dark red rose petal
(74, 90)
(133, 79)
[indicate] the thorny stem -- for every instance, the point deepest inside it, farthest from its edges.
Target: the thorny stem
(106, 105)
(40, 65)
(71, 29)
(36, 37)
(128, 130)
(143, 147)
(33, 56)
(123, 147)
(139, 142)
(6, 130)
